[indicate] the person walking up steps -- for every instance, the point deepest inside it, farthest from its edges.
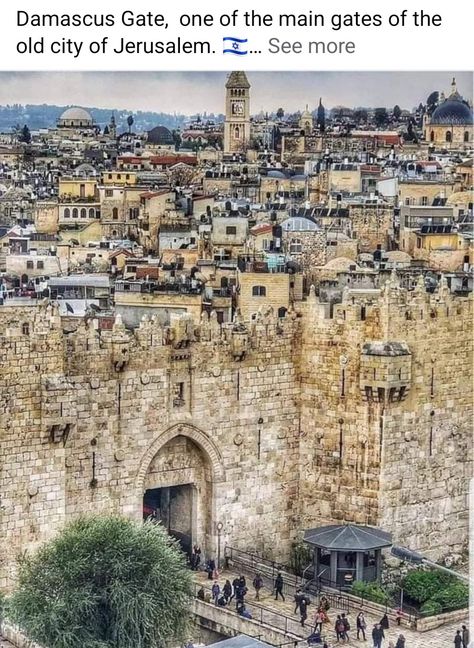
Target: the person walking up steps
(258, 584)
(279, 586)
(303, 610)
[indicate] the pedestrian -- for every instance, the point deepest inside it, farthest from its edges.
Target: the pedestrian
(347, 626)
(339, 629)
(200, 594)
(361, 625)
(400, 642)
(211, 566)
(318, 621)
(258, 584)
(298, 596)
(227, 591)
(377, 635)
(314, 638)
(303, 610)
(279, 586)
(235, 585)
(216, 590)
(458, 639)
(384, 624)
(197, 557)
(399, 615)
(465, 636)
(221, 601)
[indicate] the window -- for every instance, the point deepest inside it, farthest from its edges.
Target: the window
(466, 136)
(259, 291)
(407, 201)
(265, 244)
(109, 193)
(432, 136)
(40, 265)
(296, 246)
(418, 242)
(115, 213)
(75, 213)
(83, 213)
(67, 213)
(281, 311)
(91, 212)
(119, 177)
(29, 265)
(231, 230)
(178, 394)
(25, 329)
(424, 200)
(449, 136)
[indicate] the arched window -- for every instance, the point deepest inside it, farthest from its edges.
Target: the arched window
(83, 213)
(432, 136)
(25, 329)
(449, 136)
(67, 213)
(115, 213)
(259, 291)
(466, 136)
(237, 133)
(296, 246)
(91, 212)
(75, 213)
(281, 311)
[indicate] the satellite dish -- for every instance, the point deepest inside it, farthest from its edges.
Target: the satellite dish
(69, 308)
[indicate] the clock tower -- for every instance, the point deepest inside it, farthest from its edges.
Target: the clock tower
(237, 113)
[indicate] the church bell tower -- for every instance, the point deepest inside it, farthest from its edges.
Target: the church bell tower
(237, 113)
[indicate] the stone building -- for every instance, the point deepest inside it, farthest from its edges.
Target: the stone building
(450, 125)
(269, 426)
(237, 113)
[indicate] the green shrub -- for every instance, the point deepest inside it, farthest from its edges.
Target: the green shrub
(301, 556)
(455, 596)
(421, 584)
(370, 591)
(431, 608)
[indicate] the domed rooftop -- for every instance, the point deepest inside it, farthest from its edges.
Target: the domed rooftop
(160, 135)
(452, 111)
(342, 264)
(76, 114)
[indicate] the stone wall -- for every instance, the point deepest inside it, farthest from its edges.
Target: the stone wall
(279, 424)
(372, 225)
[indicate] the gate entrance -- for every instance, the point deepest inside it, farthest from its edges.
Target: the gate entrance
(172, 506)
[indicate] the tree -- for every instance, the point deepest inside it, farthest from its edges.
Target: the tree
(177, 139)
(25, 135)
(104, 582)
(130, 121)
(397, 111)
(361, 115)
(280, 113)
(381, 116)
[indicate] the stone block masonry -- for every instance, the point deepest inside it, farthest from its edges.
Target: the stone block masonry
(268, 424)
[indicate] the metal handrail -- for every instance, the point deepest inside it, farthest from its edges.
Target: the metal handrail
(263, 615)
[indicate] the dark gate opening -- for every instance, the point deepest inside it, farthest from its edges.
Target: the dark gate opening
(173, 507)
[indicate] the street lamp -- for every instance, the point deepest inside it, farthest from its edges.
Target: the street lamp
(219, 527)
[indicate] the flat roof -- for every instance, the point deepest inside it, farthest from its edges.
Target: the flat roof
(96, 280)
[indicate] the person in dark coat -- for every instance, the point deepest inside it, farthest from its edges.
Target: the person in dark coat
(347, 627)
(458, 639)
(279, 587)
(303, 610)
(465, 636)
(258, 584)
(298, 596)
(227, 591)
(361, 625)
(384, 623)
(211, 566)
(235, 586)
(378, 635)
(216, 591)
(400, 642)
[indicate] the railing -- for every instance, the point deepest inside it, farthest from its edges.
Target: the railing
(268, 569)
(265, 616)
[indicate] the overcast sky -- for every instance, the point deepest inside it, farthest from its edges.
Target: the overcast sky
(192, 92)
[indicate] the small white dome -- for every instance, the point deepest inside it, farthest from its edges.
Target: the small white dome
(76, 114)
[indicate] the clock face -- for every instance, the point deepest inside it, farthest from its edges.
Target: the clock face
(237, 107)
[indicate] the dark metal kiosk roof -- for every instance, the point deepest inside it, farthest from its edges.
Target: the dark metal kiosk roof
(348, 537)
(241, 641)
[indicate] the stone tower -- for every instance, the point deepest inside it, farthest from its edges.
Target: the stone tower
(237, 113)
(112, 127)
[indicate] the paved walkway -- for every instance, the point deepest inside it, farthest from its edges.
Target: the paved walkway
(442, 637)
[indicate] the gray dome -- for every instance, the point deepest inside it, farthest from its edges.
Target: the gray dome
(76, 114)
(452, 112)
(160, 135)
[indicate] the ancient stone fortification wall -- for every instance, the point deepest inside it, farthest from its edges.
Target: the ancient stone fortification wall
(83, 417)
(288, 423)
(385, 427)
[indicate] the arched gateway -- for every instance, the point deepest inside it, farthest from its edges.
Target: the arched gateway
(176, 480)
